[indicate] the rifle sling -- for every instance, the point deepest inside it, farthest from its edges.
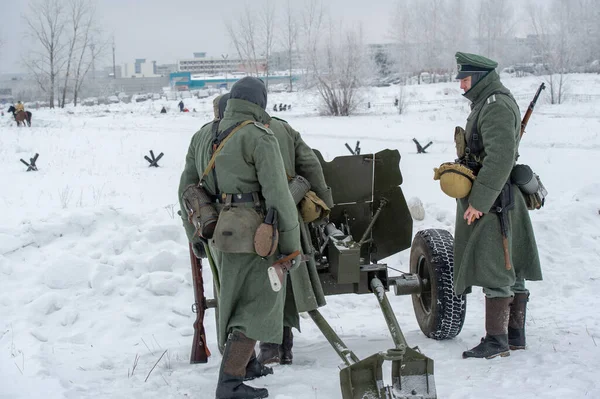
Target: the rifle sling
(211, 163)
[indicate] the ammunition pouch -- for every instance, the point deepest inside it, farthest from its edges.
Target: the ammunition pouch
(237, 226)
(201, 211)
(530, 185)
(312, 207)
(455, 179)
(460, 141)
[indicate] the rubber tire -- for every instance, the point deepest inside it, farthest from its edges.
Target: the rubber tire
(439, 311)
(221, 347)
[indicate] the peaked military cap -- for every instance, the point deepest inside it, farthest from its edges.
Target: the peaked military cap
(468, 64)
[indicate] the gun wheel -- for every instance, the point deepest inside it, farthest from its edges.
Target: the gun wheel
(439, 311)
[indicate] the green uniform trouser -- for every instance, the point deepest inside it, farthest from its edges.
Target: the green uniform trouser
(506, 292)
(290, 311)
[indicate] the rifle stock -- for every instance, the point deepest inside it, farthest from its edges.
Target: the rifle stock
(200, 352)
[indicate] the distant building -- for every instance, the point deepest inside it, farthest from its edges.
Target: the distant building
(215, 65)
(166, 69)
(183, 81)
(139, 69)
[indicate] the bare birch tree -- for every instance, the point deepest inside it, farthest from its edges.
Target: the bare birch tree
(267, 18)
(244, 34)
(289, 34)
(46, 23)
(339, 67)
(313, 16)
(555, 31)
(495, 27)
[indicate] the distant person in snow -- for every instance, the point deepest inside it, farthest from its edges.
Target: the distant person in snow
(275, 107)
(163, 110)
(484, 255)
(181, 106)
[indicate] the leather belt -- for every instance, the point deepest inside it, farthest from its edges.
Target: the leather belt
(235, 198)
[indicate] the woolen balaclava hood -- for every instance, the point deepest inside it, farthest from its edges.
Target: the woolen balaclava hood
(476, 77)
(250, 89)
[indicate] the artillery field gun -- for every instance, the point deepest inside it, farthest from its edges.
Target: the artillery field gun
(370, 222)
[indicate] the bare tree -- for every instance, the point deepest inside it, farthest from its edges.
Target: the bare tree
(495, 26)
(425, 38)
(245, 38)
(290, 38)
(91, 46)
(46, 23)
(312, 28)
(555, 31)
(267, 18)
(76, 10)
(339, 68)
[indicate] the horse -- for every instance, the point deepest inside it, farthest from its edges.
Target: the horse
(21, 117)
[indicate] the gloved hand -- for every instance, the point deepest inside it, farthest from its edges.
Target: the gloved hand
(199, 251)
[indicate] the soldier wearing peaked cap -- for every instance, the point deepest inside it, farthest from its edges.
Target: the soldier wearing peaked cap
(490, 141)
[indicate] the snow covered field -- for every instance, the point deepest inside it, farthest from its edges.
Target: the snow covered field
(95, 281)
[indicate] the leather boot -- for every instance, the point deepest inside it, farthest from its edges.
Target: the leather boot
(516, 321)
(495, 342)
(285, 349)
(238, 351)
(255, 369)
(269, 353)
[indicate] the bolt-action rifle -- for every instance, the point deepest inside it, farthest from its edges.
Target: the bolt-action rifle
(200, 352)
(530, 108)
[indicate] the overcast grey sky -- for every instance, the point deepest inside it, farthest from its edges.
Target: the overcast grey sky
(166, 31)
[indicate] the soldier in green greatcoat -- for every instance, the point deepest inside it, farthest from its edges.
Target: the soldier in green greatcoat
(304, 292)
(249, 166)
(492, 136)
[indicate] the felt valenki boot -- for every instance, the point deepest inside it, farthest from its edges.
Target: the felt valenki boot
(495, 342)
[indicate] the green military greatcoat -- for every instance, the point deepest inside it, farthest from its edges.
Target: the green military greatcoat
(478, 251)
(305, 292)
(249, 162)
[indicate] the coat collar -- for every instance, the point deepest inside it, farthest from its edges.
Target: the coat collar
(483, 87)
(245, 110)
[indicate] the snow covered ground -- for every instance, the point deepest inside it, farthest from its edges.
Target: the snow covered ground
(95, 282)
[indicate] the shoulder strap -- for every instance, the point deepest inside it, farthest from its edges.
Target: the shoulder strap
(211, 163)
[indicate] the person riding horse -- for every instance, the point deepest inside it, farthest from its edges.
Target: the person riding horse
(19, 107)
(20, 114)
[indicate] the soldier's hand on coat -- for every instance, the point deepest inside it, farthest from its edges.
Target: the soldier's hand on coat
(198, 248)
(471, 214)
(292, 264)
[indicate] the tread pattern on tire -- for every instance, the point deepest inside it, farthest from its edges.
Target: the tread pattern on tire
(452, 307)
